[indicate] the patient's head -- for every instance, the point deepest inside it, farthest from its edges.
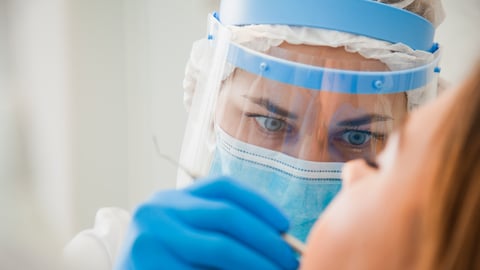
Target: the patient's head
(419, 205)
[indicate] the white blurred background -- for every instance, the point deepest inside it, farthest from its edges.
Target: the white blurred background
(85, 84)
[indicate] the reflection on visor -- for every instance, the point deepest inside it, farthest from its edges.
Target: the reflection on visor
(310, 125)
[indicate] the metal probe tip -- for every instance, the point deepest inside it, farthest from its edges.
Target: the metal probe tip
(293, 242)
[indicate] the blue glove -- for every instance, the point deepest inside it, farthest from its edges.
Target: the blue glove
(214, 224)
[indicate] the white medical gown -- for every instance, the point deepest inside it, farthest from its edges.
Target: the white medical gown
(97, 248)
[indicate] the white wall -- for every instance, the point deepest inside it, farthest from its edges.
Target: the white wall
(37, 85)
(460, 37)
(128, 62)
(92, 81)
(99, 107)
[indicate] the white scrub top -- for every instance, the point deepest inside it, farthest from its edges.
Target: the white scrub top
(97, 248)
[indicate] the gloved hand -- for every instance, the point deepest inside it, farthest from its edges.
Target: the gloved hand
(214, 224)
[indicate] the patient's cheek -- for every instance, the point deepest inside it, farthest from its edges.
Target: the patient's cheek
(323, 246)
(310, 259)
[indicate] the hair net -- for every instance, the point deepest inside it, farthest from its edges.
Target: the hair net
(262, 37)
(431, 10)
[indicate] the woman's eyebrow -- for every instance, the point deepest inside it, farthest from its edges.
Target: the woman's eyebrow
(271, 107)
(364, 119)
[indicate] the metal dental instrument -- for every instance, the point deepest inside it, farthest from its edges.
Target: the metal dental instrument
(173, 161)
(297, 245)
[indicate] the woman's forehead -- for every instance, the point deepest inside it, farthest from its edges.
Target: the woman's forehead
(296, 98)
(243, 82)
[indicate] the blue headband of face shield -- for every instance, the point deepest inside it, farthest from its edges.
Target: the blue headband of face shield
(343, 15)
(335, 80)
(361, 17)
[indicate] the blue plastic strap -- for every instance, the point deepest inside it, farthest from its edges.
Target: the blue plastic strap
(328, 79)
(362, 17)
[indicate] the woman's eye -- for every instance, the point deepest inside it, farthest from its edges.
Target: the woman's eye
(271, 124)
(356, 137)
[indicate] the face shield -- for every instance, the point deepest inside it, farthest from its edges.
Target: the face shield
(281, 108)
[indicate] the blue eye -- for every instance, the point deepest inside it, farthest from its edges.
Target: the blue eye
(271, 124)
(356, 137)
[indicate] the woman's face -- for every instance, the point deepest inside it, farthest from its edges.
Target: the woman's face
(308, 124)
(374, 221)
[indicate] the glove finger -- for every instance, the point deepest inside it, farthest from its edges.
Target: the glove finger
(173, 243)
(166, 221)
(220, 252)
(145, 252)
(242, 226)
(225, 188)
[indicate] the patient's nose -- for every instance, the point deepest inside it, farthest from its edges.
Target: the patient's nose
(355, 170)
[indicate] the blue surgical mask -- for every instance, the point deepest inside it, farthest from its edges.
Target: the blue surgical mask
(301, 189)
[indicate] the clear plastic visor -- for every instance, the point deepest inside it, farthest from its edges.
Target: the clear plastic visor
(336, 121)
(313, 103)
(313, 125)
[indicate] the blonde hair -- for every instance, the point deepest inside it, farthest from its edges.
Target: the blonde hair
(452, 218)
